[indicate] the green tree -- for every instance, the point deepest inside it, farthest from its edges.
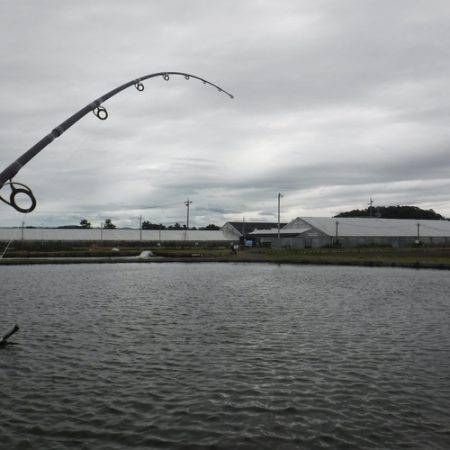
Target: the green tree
(84, 223)
(109, 225)
(211, 226)
(146, 225)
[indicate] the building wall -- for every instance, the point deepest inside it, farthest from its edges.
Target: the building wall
(230, 231)
(299, 242)
(349, 242)
(41, 234)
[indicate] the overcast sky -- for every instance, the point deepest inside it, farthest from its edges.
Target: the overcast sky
(335, 101)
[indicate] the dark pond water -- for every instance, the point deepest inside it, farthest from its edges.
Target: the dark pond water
(224, 356)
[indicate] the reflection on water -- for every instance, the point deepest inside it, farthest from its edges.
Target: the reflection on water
(224, 356)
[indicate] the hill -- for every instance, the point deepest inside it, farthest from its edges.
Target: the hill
(393, 212)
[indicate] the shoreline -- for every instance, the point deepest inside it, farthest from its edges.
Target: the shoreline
(16, 261)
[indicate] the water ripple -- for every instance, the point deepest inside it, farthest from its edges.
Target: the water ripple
(224, 356)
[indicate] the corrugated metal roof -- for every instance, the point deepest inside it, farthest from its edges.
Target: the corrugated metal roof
(38, 234)
(350, 226)
(250, 226)
(285, 231)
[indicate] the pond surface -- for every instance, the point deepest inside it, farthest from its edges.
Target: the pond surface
(224, 356)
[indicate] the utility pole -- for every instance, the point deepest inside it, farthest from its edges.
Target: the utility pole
(280, 195)
(23, 231)
(337, 231)
(418, 231)
(140, 228)
(243, 229)
(187, 203)
(370, 206)
(101, 231)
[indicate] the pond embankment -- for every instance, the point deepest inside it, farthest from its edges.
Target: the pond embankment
(427, 258)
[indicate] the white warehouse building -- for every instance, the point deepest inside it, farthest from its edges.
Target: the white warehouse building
(315, 232)
(114, 235)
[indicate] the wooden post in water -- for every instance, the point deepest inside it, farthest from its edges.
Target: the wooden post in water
(13, 330)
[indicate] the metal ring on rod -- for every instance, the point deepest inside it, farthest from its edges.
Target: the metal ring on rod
(23, 189)
(166, 77)
(100, 112)
(139, 86)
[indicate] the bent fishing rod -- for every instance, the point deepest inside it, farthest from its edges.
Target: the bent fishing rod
(6, 177)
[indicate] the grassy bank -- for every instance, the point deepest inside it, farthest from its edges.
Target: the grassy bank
(425, 257)
(376, 256)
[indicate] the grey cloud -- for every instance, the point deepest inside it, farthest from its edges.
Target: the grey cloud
(335, 101)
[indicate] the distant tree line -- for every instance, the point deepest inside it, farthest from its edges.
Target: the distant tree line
(146, 225)
(393, 212)
(86, 224)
